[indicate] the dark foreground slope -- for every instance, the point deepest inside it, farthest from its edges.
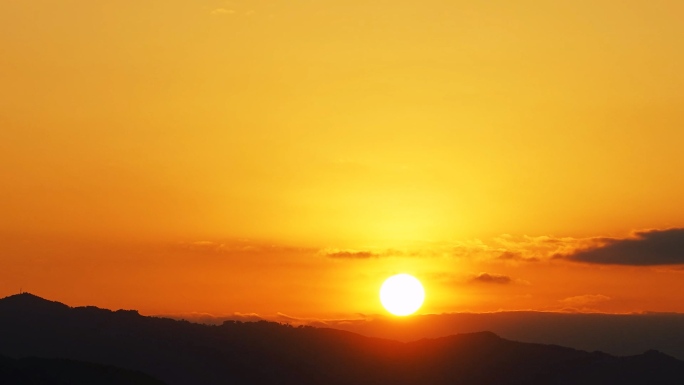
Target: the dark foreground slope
(55, 371)
(179, 352)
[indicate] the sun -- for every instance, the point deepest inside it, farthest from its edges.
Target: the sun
(402, 294)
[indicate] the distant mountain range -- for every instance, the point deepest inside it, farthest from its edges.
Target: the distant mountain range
(616, 334)
(180, 352)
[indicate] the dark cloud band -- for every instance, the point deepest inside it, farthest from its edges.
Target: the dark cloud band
(645, 248)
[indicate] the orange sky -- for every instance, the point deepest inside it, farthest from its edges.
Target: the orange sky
(251, 156)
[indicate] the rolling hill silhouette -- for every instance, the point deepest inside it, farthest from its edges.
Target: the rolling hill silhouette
(180, 352)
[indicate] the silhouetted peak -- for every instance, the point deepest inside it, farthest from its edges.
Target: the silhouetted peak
(29, 298)
(28, 301)
(24, 296)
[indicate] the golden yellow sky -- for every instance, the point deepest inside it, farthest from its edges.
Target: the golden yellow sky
(214, 156)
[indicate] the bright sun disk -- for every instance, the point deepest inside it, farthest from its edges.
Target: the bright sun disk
(402, 294)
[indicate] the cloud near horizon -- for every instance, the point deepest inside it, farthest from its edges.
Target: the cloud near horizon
(644, 248)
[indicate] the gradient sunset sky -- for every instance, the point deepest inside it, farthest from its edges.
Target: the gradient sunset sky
(287, 156)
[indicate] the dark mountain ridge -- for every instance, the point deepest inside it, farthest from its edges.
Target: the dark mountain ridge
(180, 352)
(49, 371)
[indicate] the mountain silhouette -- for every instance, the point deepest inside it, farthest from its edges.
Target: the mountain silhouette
(255, 353)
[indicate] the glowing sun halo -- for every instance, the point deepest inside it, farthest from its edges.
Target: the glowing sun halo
(402, 294)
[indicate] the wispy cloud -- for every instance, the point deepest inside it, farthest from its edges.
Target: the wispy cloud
(517, 249)
(511, 248)
(504, 249)
(347, 254)
(368, 253)
(585, 300)
(239, 247)
(517, 256)
(223, 11)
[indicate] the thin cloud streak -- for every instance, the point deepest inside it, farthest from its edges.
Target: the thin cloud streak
(584, 300)
(222, 11)
(492, 278)
(352, 254)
